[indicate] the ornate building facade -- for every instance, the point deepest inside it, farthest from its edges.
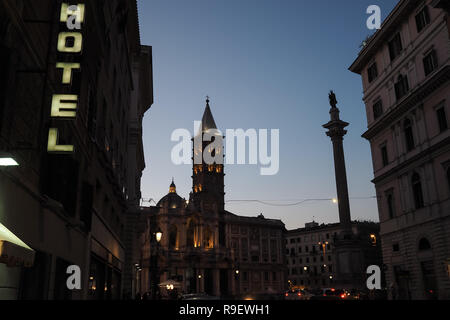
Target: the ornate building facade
(206, 248)
(405, 70)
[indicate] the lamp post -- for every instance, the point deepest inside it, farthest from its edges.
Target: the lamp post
(157, 236)
(324, 245)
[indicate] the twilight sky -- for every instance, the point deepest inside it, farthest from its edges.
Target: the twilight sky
(266, 64)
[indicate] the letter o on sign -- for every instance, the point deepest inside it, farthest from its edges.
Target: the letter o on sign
(77, 45)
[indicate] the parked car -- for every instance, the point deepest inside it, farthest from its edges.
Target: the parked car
(332, 292)
(198, 296)
(297, 294)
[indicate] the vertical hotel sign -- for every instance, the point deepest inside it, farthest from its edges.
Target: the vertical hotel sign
(70, 42)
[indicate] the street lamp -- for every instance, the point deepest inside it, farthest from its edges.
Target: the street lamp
(324, 245)
(158, 235)
(7, 160)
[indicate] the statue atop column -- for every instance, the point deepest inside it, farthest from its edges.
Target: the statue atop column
(333, 101)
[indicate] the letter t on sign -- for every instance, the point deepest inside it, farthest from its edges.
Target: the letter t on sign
(67, 70)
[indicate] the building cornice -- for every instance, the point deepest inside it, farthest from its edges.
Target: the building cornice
(422, 157)
(414, 98)
(388, 28)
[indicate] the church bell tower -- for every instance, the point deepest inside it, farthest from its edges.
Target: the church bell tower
(208, 166)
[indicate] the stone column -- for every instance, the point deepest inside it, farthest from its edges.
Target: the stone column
(336, 131)
(216, 282)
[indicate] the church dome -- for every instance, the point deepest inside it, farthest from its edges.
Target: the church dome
(172, 200)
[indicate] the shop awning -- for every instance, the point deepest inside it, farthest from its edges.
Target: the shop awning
(13, 251)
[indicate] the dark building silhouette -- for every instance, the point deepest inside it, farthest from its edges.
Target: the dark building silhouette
(71, 109)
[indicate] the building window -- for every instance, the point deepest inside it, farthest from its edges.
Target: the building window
(384, 155)
(442, 119)
(401, 87)
(61, 292)
(92, 114)
(87, 201)
(208, 239)
(372, 72)
(395, 46)
(409, 137)
(430, 62)
(448, 176)
(396, 247)
(191, 235)
(417, 191)
(424, 245)
(5, 66)
(422, 19)
(34, 279)
(61, 182)
(390, 205)
(377, 109)
(373, 239)
(173, 233)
